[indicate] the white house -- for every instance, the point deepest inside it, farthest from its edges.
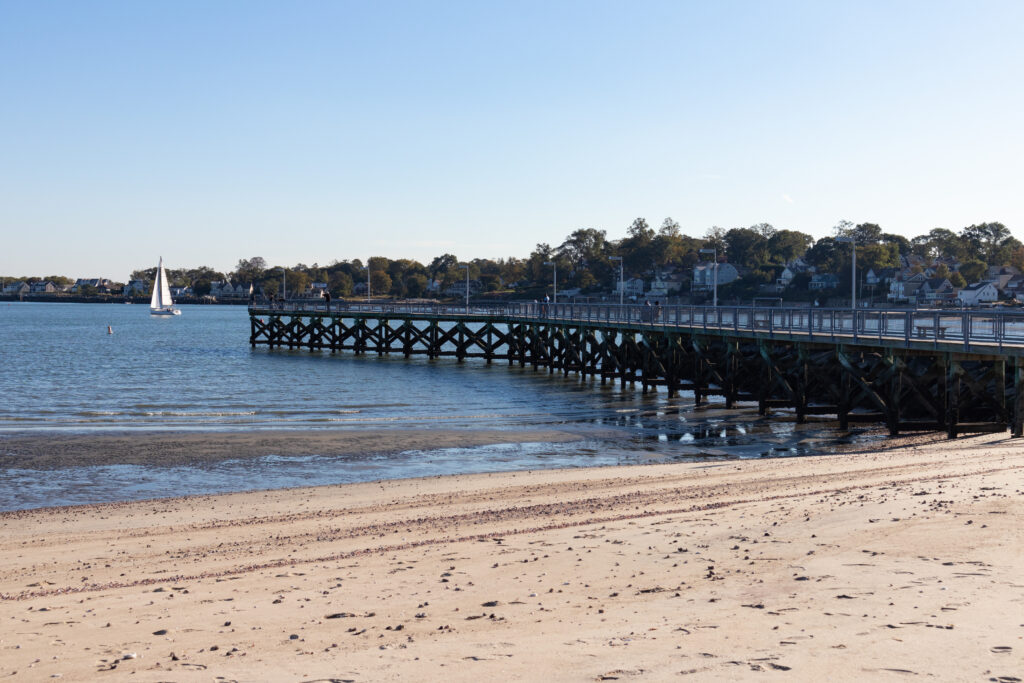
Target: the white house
(978, 293)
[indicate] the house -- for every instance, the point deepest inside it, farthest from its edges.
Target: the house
(798, 265)
(936, 289)
(659, 288)
(785, 277)
(704, 275)
(458, 288)
(823, 281)
(1015, 288)
(177, 292)
(634, 287)
(978, 293)
(17, 288)
(1000, 276)
(46, 287)
(136, 287)
(226, 290)
(101, 284)
(903, 288)
(995, 270)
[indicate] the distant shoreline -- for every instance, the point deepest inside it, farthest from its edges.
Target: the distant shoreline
(111, 299)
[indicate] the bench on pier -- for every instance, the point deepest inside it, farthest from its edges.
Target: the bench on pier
(924, 331)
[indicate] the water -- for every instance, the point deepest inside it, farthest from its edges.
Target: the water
(60, 371)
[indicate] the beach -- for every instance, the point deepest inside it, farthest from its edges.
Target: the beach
(895, 562)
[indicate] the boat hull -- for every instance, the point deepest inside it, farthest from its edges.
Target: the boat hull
(164, 311)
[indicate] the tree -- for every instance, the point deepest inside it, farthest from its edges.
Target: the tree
(714, 238)
(902, 242)
(747, 246)
(380, 282)
(973, 270)
(340, 284)
(250, 270)
(985, 239)
(415, 285)
(957, 280)
(786, 245)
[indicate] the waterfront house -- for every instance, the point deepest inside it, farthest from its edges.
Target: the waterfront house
(227, 290)
(17, 288)
(978, 293)
(136, 288)
(935, 290)
(45, 287)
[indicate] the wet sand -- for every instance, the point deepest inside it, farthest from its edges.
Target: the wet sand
(54, 450)
(877, 565)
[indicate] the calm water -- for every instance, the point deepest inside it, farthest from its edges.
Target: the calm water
(61, 371)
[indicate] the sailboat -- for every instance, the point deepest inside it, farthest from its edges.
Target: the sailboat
(161, 303)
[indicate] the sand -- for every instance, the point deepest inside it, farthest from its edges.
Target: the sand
(883, 565)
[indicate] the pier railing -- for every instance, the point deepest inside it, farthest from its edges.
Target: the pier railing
(953, 330)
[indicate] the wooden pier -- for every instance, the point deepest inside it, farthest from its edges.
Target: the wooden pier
(959, 372)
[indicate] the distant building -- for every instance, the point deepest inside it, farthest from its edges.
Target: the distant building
(821, 281)
(17, 288)
(978, 293)
(634, 287)
(45, 287)
(227, 290)
(136, 288)
(704, 275)
(936, 290)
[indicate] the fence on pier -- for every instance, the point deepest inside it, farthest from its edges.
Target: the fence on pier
(958, 371)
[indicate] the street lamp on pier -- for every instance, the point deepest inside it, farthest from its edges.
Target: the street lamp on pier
(622, 284)
(714, 253)
(853, 280)
(284, 284)
(367, 267)
(554, 298)
(466, 267)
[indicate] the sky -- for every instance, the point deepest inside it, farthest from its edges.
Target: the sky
(309, 132)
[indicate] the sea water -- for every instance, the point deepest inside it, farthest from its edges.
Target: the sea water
(95, 368)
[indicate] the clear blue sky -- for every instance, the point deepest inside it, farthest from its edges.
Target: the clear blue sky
(312, 131)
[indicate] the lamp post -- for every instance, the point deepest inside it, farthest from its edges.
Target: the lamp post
(284, 284)
(554, 298)
(714, 252)
(367, 281)
(853, 280)
(466, 268)
(622, 284)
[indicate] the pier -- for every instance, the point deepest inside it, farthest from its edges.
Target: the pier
(956, 371)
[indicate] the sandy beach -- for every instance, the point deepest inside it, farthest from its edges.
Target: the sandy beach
(890, 564)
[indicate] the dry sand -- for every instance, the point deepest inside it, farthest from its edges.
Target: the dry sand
(885, 565)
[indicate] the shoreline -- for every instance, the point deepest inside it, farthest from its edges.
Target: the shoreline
(882, 563)
(53, 450)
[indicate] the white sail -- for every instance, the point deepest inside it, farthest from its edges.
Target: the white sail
(161, 300)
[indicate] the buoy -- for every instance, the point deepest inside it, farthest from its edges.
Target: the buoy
(110, 330)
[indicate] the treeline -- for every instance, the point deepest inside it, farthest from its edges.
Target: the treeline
(588, 260)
